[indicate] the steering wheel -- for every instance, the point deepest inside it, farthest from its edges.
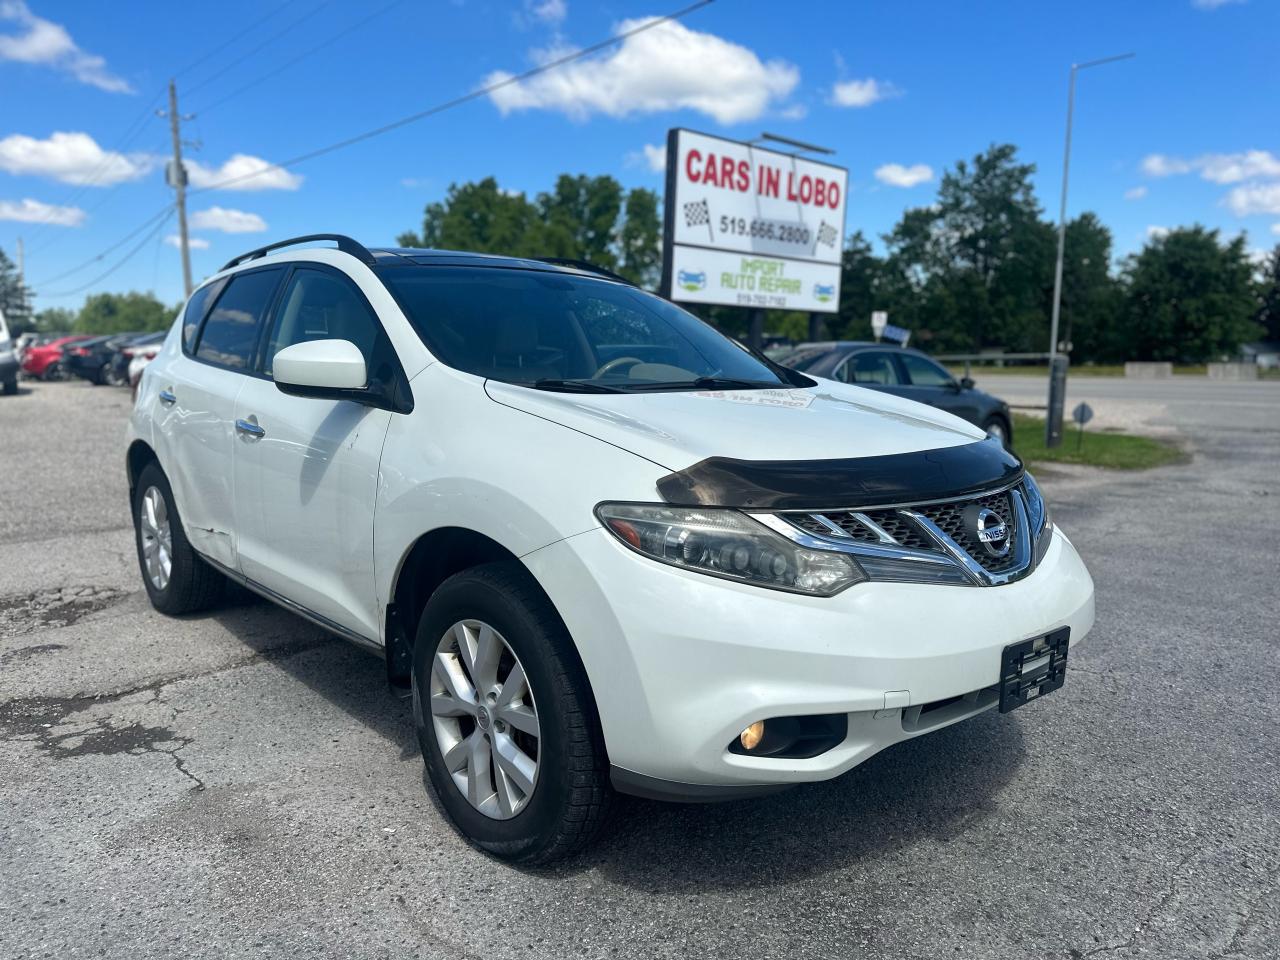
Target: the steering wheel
(614, 364)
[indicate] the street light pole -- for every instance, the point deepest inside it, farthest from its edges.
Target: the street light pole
(1057, 366)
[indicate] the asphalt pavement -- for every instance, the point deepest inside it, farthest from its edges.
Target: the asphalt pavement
(241, 784)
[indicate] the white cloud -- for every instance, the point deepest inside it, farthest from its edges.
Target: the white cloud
(1212, 4)
(33, 211)
(1159, 165)
(1254, 198)
(248, 172)
(655, 155)
(896, 175)
(547, 11)
(227, 221)
(195, 243)
(72, 158)
(1155, 233)
(1275, 228)
(797, 111)
(862, 93)
(1135, 193)
(41, 41)
(1217, 167)
(667, 67)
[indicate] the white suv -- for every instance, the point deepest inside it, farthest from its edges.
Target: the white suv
(599, 544)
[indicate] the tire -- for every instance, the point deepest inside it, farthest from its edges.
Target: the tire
(191, 584)
(997, 427)
(52, 372)
(570, 794)
(10, 387)
(103, 376)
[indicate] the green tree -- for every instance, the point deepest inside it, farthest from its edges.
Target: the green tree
(15, 299)
(640, 238)
(55, 320)
(480, 217)
(1091, 297)
(1188, 298)
(1268, 294)
(861, 273)
(579, 219)
(123, 313)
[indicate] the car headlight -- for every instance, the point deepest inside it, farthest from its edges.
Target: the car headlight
(726, 543)
(1037, 516)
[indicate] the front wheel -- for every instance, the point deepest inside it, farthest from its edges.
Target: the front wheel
(997, 428)
(52, 372)
(506, 719)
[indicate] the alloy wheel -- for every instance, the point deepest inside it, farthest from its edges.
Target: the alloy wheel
(485, 719)
(157, 537)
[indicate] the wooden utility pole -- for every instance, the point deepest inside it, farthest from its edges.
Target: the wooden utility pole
(178, 177)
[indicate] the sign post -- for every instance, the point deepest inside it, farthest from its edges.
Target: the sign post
(750, 227)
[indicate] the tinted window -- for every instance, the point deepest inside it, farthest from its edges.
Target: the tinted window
(230, 335)
(877, 368)
(318, 305)
(924, 373)
(523, 326)
(197, 306)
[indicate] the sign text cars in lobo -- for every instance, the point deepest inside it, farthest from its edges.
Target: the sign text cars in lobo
(751, 227)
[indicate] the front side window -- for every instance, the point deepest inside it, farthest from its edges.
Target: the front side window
(318, 305)
(870, 368)
(229, 337)
(925, 373)
(565, 332)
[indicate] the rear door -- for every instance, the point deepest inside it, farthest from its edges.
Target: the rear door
(929, 382)
(195, 404)
(306, 468)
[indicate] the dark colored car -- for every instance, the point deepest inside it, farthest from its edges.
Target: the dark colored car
(92, 359)
(904, 373)
(125, 352)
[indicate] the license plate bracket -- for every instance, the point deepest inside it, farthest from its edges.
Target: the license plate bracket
(1031, 668)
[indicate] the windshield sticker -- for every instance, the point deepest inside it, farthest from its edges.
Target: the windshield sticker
(769, 398)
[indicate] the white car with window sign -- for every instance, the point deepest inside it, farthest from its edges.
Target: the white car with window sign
(600, 545)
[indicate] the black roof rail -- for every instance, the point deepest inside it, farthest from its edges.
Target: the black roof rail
(345, 244)
(584, 265)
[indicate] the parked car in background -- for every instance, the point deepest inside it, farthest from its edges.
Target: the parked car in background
(139, 357)
(126, 353)
(93, 359)
(8, 360)
(44, 361)
(904, 373)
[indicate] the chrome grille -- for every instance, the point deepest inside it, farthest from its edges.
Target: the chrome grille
(936, 536)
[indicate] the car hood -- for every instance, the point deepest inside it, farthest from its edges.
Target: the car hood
(674, 430)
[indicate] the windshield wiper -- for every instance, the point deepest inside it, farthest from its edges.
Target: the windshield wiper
(709, 383)
(574, 386)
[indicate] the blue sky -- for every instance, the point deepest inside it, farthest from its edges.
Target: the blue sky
(1186, 132)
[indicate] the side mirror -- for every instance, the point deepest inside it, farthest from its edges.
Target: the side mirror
(320, 368)
(966, 383)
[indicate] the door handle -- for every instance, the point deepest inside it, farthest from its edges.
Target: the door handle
(250, 429)
(167, 396)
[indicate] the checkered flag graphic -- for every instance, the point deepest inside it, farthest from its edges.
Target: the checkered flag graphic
(827, 234)
(696, 213)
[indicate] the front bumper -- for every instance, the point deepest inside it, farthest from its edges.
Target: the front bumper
(681, 662)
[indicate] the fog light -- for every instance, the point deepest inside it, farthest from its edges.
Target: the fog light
(750, 738)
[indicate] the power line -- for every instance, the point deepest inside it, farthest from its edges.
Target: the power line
(464, 98)
(166, 209)
(119, 263)
(298, 59)
(226, 43)
(249, 53)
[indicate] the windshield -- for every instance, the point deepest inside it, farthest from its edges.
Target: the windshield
(558, 331)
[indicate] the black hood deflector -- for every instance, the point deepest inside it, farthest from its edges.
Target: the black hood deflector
(900, 478)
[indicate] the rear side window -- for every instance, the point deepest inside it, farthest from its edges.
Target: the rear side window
(197, 307)
(925, 373)
(229, 337)
(877, 368)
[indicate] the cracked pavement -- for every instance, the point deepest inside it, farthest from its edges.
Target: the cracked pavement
(242, 784)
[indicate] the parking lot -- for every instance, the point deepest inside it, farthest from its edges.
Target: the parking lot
(242, 784)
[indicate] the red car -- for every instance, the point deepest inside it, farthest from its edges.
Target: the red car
(45, 360)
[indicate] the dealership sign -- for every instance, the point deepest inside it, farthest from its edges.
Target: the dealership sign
(751, 227)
